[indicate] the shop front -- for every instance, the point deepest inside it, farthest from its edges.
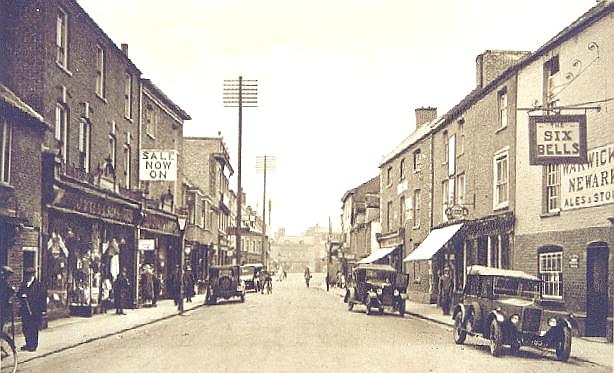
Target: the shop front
(89, 237)
(158, 254)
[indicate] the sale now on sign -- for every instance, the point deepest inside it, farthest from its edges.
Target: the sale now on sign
(557, 139)
(158, 165)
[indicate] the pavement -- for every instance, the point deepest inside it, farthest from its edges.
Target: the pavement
(70, 332)
(594, 350)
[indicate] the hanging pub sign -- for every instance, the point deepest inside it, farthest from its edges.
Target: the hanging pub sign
(555, 139)
(158, 165)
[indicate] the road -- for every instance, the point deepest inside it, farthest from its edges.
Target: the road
(294, 329)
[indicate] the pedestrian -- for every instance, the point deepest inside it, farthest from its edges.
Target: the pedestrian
(156, 291)
(6, 292)
(33, 299)
(188, 283)
(120, 288)
(147, 284)
(262, 280)
(445, 291)
(174, 283)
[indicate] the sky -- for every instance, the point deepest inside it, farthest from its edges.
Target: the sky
(338, 80)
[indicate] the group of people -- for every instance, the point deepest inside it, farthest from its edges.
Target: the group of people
(265, 282)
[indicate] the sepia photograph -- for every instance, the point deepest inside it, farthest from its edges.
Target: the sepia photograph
(306, 186)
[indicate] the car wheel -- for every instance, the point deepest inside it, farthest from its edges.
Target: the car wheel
(496, 338)
(381, 309)
(350, 305)
(368, 308)
(459, 332)
(402, 307)
(563, 347)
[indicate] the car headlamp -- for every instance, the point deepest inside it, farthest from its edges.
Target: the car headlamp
(514, 319)
(379, 291)
(552, 322)
(396, 292)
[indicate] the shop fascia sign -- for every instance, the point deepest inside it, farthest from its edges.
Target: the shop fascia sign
(456, 212)
(147, 244)
(158, 165)
(555, 139)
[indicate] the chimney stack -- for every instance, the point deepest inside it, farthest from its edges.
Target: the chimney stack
(125, 49)
(425, 115)
(490, 64)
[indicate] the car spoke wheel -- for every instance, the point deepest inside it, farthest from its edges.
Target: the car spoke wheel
(459, 332)
(515, 346)
(368, 309)
(563, 347)
(496, 338)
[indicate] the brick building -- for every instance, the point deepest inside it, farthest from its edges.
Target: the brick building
(565, 212)
(22, 131)
(405, 195)
(59, 61)
(205, 163)
(161, 129)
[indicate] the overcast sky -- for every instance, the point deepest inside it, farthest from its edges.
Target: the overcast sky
(338, 79)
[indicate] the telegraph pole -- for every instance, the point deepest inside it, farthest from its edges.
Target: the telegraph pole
(264, 163)
(240, 93)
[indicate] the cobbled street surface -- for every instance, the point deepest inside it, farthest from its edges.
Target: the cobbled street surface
(295, 329)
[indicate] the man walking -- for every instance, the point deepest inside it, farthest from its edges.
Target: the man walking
(6, 292)
(120, 286)
(445, 291)
(33, 297)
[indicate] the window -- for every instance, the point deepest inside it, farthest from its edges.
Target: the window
(461, 136)
(128, 96)
(502, 102)
(417, 161)
(389, 176)
(444, 198)
(460, 189)
(388, 215)
(501, 176)
(416, 210)
(113, 146)
(553, 188)
(61, 39)
(402, 169)
(100, 67)
(445, 147)
(127, 168)
(85, 135)
(451, 155)
(551, 68)
(150, 121)
(551, 273)
(203, 215)
(61, 129)
(402, 211)
(6, 140)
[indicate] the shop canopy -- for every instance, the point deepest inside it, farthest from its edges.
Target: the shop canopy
(433, 243)
(377, 254)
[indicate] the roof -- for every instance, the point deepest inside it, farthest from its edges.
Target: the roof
(160, 94)
(377, 267)
(417, 135)
(368, 187)
(595, 13)
(490, 271)
(11, 99)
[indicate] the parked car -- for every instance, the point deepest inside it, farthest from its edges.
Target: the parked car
(250, 276)
(506, 307)
(224, 282)
(377, 286)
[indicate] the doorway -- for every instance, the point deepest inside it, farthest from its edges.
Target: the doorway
(597, 255)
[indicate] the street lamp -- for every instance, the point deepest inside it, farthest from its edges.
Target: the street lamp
(181, 220)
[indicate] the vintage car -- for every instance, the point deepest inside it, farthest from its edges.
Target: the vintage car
(224, 282)
(250, 276)
(506, 308)
(377, 286)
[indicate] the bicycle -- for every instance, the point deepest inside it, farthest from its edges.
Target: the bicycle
(8, 353)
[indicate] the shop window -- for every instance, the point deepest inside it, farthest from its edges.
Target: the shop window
(494, 254)
(482, 251)
(551, 271)
(552, 188)
(6, 139)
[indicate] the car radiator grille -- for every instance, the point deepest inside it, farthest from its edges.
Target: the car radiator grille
(530, 319)
(387, 295)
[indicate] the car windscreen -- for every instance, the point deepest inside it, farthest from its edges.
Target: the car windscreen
(380, 276)
(516, 287)
(247, 271)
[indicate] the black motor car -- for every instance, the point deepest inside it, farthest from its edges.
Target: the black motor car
(250, 276)
(377, 286)
(224, 282)
(506, 308)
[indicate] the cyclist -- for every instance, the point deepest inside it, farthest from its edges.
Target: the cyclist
(6, 292)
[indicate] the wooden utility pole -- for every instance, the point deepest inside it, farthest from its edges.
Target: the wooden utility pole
(240, 93)
(264, 163)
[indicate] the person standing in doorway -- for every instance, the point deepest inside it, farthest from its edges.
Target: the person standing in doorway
(120, 288)
(32, 297)
(445, 291)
